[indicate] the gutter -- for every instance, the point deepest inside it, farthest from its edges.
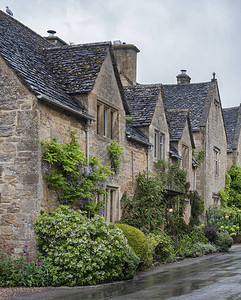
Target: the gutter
(139, 140)
(65, 107)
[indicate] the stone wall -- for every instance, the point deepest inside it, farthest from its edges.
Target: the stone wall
(19, 160)
(212, 139)
(57, 124)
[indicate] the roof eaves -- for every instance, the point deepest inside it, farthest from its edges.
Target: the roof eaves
(78, 113)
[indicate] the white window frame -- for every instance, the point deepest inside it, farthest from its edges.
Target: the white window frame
(159, 145)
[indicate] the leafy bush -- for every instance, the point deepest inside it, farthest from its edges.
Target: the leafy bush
(81, 250)
(164, 250)
(225, 219)
(146, 210)
(75, 179)
(136, 240)
(115, 152)
(231, 195)
(197, 207)
(131, 264)
(183, 245)
(23, 271)
(197, 235)
(223, 241)
(201, 248)
(210, 232)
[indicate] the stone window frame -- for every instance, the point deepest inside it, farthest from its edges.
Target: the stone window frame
(216, 153)
(216, 199)
(158, 145)
(112, 211)
(185, 157)
(106, 120)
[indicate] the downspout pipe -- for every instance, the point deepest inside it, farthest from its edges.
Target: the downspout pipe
(87, 130)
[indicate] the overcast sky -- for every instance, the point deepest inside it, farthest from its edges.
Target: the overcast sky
(201, 36)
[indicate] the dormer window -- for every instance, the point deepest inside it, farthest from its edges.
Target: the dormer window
(159, 145)
(216, 152)
(106, 121)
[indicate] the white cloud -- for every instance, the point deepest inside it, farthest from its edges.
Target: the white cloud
(200, 36)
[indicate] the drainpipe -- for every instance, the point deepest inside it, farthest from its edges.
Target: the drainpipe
(87, 130)
(148, 159)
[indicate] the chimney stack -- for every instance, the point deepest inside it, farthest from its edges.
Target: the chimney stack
(126, 59)
(55, 40)
(183, 78)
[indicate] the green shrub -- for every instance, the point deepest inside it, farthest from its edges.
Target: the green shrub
(23, 271)
(136, 240)
(80, 250)
(210, 232)
(146, 210)
(201, 248)
(223, 241)
(131, 264)
(197, 235)
(183, 245)
(164, 250)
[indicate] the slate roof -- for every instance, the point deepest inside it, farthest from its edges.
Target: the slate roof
(188, 96)
(232, 121)
(142, 101)
(22, 49)
(176, 119)
(174, 153)
(77, 67)
(136, 135)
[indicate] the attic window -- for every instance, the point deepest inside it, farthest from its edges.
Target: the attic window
(216, 153)
(159, 140)
(107, 121)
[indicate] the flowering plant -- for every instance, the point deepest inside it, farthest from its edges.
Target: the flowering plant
(75, 179)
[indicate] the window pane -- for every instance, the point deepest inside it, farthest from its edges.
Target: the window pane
(155, 144)
(98, 119)
(111, 124)
(161, 146)
(105, 122)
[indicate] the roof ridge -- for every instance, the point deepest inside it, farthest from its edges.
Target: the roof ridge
(107, 43)
(193, 83)
(229, 108)
(26, 27)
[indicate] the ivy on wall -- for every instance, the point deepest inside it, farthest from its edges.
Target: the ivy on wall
(75, 180)
(115, 152)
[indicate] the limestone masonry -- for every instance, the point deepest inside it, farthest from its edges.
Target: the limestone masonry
(47, 91)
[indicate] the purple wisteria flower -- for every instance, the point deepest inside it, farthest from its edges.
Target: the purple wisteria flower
(46, 167)
(86, 170)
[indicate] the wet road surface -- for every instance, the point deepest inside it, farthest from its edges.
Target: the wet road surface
(216, 276)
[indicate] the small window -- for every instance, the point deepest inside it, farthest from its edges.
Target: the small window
(111, 124)
(155, 144)
(98, 119)
(105, 119)
(216, 161)
(159, 145)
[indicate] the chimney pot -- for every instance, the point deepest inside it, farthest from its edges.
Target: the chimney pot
(183, 78)
(51, 32)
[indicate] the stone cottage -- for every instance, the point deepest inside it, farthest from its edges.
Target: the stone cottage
(48, 89)
(232, 120)
(47, 92)
(208, 130)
